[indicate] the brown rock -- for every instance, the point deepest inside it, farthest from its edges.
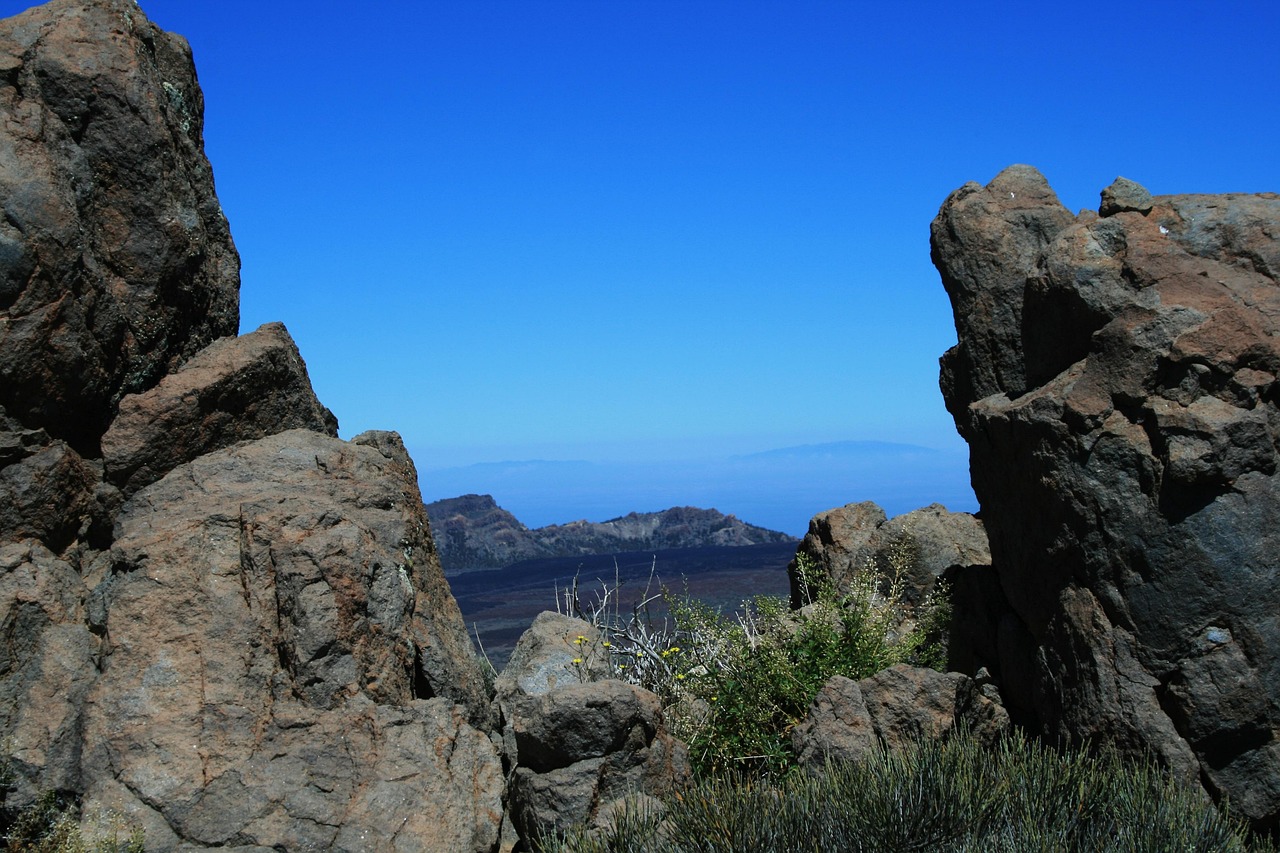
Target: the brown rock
(838, 726)
(235, 389)
(47, 665)
(892, 709)
(362, 777)
(1123, 424)
(922, 545)
(254, 589)
(115, 259)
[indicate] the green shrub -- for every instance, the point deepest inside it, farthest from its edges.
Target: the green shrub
(954, 796)
(733, 688)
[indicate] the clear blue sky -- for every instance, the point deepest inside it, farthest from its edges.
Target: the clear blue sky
(635, 232)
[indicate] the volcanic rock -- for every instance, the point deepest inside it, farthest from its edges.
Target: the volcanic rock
(236, 389)
(472, 531)
(116, 262)
(1115, 378)
(917, 547)
(893, 709)
(583, 748)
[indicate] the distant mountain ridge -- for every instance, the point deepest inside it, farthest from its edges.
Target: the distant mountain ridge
(472, 532)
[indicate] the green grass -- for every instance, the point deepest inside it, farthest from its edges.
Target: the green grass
(950, 796)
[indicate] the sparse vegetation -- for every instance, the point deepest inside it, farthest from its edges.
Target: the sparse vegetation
(954, 796)
(52, 825)
(733, 688)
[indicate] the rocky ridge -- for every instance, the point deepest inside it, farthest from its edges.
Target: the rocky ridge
(472, 531)
(1116, 380)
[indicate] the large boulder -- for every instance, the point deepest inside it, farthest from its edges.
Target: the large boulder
(235, 389)
(1115, 378)
(579, 743)
(893, 709)
(116, 262)
(582, 749)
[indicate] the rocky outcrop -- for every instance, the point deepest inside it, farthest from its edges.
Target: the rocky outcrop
(578, 746)
(236, 389)
(116, 263)
(894, 708)
(217, 619)
(472, 531)
(1115, 378)
(917, 548)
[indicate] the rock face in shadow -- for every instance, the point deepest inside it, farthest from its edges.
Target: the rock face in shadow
(217, 619)
(116, 262)
(1115, 378)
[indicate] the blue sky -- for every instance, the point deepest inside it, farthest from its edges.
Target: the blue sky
(656, 235)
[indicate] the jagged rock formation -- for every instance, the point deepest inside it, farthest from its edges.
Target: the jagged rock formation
(216, 618)
(472, 531)
(921, 545)
(1115, 378)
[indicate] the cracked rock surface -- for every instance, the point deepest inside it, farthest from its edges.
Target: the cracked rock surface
(1116, 380)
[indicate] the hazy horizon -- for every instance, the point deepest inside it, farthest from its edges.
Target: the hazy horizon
(780, 489)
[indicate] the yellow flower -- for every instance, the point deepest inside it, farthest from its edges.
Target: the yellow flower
(679, 676)
(608, 644)
(577, 660)
(581, 639)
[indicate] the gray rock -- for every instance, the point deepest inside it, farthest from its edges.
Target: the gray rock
(1122, 425)
(1125, 195)
(544, 657)
(579, 747)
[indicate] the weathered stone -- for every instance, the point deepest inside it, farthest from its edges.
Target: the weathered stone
(47, 665)
(544, 657)
(917, 547)
(362, 777)
(47, 492)
(583, 748)
(235, 389)
(1122, 419)
(838, 726)
(582, 721)
(257, 590)
(1125, 195)
(892, 709)
(115, 258)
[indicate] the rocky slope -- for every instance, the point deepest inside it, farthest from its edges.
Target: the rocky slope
(472, 531)
(1116, 379)
(217, 619)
